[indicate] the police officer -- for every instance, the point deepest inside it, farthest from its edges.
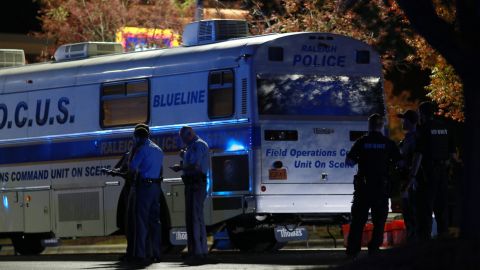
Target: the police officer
(196, 161)
(407, 149)
(146, 165)
(373, 153)
(429, 175)
(125, 221)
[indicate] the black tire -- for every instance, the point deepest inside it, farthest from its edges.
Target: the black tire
(255, 240)
(28, 244)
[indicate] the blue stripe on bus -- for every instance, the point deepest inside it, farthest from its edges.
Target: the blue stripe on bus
(231, 138)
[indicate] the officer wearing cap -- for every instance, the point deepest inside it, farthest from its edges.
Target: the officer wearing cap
(407, 149)
(373, 153)
(429, 175)
(146, 165)
(196, 162)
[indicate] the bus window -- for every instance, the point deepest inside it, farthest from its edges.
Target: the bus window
(300, 95)
(124, 104)
(220, 94)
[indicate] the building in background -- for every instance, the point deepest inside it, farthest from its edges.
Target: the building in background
(33, 47)
(19, 35)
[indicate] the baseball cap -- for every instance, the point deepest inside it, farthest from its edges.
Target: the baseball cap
(410, 115)
(142, 130)
(426, 108)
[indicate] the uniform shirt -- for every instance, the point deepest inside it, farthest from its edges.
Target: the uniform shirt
(197, 155)
(407, 148)
(122, 164)
(147, 160)
(435, 142)
(374, 153)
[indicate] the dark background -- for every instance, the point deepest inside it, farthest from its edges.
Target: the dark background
(19, 16)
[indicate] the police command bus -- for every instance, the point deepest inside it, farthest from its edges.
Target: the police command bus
(278, 111)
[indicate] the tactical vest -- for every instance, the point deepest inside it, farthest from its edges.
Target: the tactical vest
(439, 140)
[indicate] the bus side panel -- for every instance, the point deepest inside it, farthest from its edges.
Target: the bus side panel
(37, 211)
(11, 211)
(50, 112)
(80, 212)
(179, 99)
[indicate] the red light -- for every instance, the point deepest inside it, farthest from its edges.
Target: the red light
(263, 188)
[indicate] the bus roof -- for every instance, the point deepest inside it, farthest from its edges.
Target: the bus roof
(132, 65)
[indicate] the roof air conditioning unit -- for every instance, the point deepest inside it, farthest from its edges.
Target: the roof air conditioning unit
(211, 31)
(11, 58)
(86, 49)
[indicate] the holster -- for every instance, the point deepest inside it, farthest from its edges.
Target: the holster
(188, 179)
(359, 182)
(194, 179)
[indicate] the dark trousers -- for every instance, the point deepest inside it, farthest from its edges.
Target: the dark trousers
(409, 214)
(362, 203)
(432, 196)
(147, 221)
(130, 221)
(196, 232)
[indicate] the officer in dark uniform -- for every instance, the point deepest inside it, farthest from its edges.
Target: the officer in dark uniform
(146, 166)
(374, 153)
(125, 221)
(429, 175)
(196, 162)
(407, 149)
(126, 205)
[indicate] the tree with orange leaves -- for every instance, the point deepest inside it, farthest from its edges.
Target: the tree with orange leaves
(379, 23)
(68, 21)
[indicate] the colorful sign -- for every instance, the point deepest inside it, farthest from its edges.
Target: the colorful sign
(139, 39)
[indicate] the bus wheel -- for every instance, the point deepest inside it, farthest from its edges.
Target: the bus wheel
(256, 240)
(26, 244)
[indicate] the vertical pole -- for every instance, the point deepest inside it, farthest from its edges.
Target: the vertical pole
(199, 10)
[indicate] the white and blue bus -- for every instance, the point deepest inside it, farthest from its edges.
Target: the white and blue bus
(279, 112)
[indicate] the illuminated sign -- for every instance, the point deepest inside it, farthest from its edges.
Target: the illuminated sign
(139, 39)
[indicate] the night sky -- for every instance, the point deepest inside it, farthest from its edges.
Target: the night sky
(19, 16)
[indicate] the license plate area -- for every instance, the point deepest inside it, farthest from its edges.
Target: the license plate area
(290, 233)
(277, 174)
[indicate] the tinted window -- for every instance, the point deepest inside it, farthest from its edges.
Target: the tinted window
(296, 94)
(221, 94)
(124, 104)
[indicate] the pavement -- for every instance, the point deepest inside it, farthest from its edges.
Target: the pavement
(118, 248)
(103, 253)
(231, 260)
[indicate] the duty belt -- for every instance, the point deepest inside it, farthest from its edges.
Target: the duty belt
(149, 181)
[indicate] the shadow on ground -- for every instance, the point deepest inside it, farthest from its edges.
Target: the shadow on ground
(282, 258)
(438, 254)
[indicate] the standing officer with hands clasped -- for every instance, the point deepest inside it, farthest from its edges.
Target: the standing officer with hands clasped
(407, 149)
(373, 153)
(429, 173)
(195, 164)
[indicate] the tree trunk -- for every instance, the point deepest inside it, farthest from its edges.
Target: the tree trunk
(470, 220)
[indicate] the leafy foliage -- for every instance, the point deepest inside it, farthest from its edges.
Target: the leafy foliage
(67, 21)
(379, 23)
